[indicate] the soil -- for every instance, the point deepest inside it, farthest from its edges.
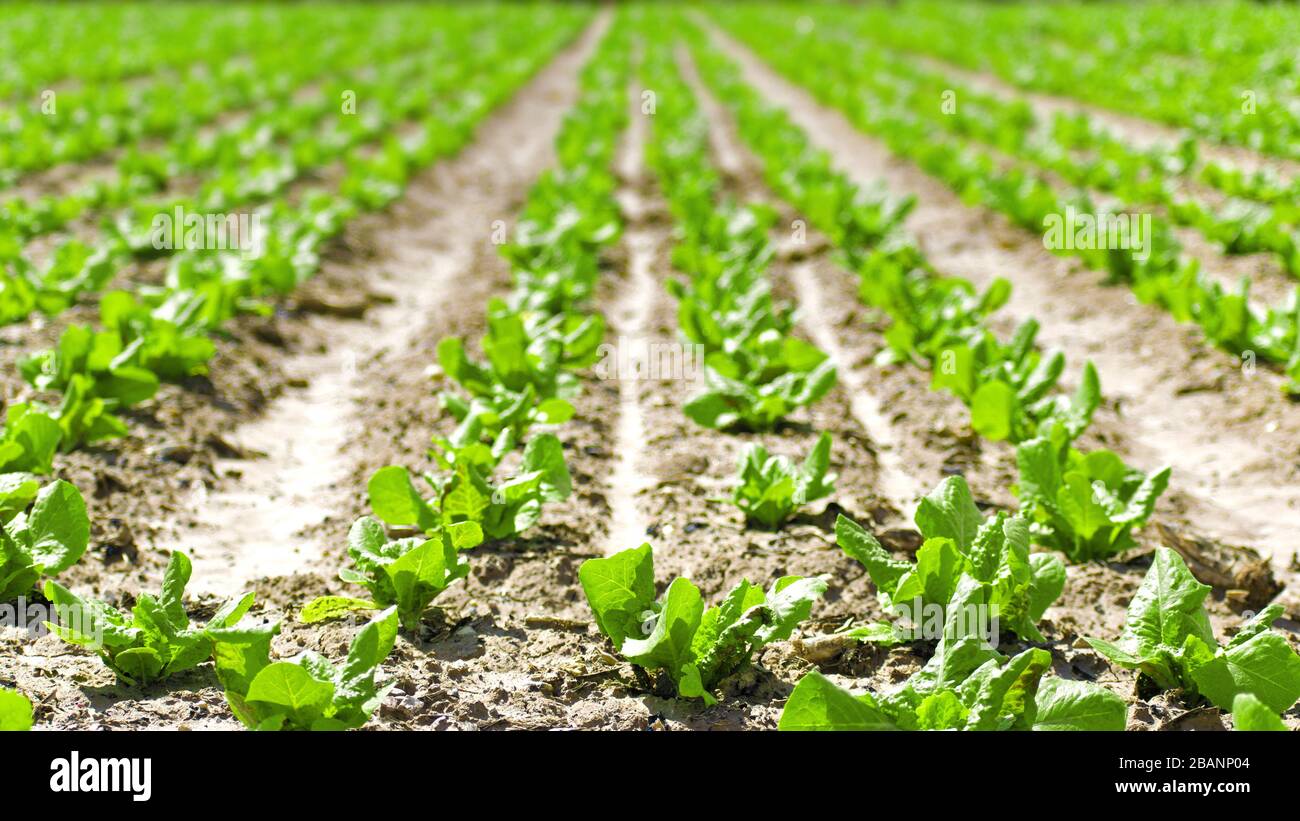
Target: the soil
(258, 469)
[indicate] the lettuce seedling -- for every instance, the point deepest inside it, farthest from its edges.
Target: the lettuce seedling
(730, 402)
(1016, 586)
(466, 494)
(406, 573)
(45, 540)
(966, 685)
(528, 374)
(309, 692)
(697, 648)
(84, 418)
(771, 488)
(1167, 637)
(1084, 504)
(101, 357)
(1009, 387)
(155, 640)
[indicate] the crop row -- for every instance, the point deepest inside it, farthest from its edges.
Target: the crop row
(1226, 72)
(502, 463)
(155, 333)
(1164, 277)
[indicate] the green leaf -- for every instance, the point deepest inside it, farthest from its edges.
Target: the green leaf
(420, 574)
(1047, 584)
(15, 711)
(619, 589)
(545, 454)
(669, 643)
(1249, 714)
(1002, 696)
(394, 499)
(287, 688)
(1078, 705)
(939, 566)
(993, 411)
(884, 569)
(240, 652)
(817, 704)
(1264, 666)
(949, 512)
(1259, 623)
(139, 665)
(175, 579)
(17, 492)
(57, 528)
(326, 608)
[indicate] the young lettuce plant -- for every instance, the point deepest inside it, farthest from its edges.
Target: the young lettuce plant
(966, 685)
(45, 540)
(1084, 504)
(15, 711)
(405, 573)
(730, 402)
(1017, 586)
(309, 692)
(528, 376)
(96, 375)
(1167, 637)
(153, 642)
(1009, 387)
(697, 648)
(465, 494)
(771, 488)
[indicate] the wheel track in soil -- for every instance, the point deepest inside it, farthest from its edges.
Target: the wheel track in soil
(1161, 381)
(629, 319)
(252, 529)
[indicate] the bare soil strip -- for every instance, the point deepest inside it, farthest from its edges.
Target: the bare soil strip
(252, 530)
(1173, 399)
(628, 320)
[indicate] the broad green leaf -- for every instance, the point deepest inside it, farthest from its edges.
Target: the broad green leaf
(993, 411)
(619, 589)
(669, 643)
(1078, 705)
(394, 499)
(1249, 714)
(285, 687)
(58, 528)
(325, 608)
(884, 569)
(949, 512)
(1264, 666)
(15, 711)
(817, 704)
